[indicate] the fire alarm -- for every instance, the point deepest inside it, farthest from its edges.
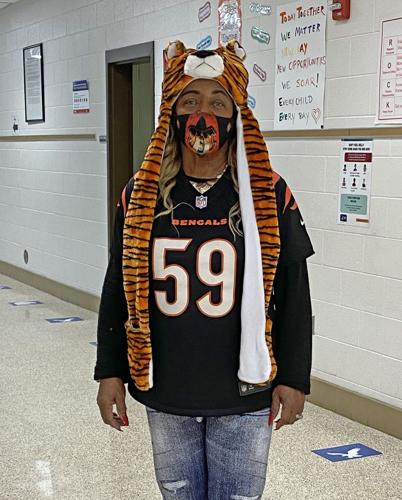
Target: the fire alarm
(340, 10)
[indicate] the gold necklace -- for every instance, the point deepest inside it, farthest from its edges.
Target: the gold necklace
(203, 186)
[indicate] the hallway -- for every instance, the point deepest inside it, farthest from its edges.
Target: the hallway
(55, 445)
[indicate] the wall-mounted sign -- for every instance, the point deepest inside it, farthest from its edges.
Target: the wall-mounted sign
(229, 21)
(355, 182)
(204, 12)
(300, 65)
(81, 96)
(260, 35)
(33, 84)
(260, 8)
(204, 43)
(390, 87)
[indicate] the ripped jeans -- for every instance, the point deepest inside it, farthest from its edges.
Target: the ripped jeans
(210, 458)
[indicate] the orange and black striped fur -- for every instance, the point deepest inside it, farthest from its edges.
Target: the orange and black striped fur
(141, 208)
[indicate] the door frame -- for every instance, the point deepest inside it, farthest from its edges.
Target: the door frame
(121, 56)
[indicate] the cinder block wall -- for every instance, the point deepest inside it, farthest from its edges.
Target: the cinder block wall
(53, 195)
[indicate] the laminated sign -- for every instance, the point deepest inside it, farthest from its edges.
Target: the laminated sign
(389, 107)
(355, 182)
(81, 96)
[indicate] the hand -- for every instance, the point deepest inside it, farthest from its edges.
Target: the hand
(112, 391)
(292, 401)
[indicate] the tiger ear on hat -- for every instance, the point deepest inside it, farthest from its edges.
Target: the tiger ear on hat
(173, 49)
(235, 47)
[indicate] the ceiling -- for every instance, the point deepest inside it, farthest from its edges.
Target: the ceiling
(4, 4)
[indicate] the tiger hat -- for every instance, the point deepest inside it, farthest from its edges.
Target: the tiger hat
(258, 211)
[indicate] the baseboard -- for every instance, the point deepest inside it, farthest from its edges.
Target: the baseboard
(64, 292)
(362, 409)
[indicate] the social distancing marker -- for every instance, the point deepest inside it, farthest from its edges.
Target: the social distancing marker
(346, 452)
(26, 303)
(68, 319)
(5, 287)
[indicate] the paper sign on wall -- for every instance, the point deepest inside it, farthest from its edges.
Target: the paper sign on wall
(300, 65)
(390, 87)
(229, 28)
(81, 96)
(355, 182)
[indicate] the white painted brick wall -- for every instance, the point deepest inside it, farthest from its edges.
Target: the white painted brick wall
(53, 195)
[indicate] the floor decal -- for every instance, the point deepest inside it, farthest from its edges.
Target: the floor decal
(68, 319)
(26, 303)
(346, 452)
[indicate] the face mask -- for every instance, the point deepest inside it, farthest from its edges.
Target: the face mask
(203, 133)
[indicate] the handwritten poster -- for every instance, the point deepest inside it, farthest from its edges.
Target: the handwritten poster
(300, 65)
(355, 181)
(390, 88)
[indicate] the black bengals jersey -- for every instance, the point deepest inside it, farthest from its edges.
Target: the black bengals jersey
(196, 276)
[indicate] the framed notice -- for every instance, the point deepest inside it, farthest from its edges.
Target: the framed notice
(33, 84)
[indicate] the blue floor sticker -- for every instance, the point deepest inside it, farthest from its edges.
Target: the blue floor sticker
(5, 287)
(26, 303)
(68, 319)
(346, 452)
(94, 343)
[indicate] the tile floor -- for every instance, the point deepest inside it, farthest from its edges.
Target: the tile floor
(54, 445)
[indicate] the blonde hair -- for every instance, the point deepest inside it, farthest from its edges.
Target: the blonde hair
(170, 167)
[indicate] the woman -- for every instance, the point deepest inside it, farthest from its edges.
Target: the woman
(205, 310)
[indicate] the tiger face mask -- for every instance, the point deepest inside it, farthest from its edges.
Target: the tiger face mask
(203, 133)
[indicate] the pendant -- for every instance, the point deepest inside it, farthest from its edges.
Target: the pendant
(201, 201)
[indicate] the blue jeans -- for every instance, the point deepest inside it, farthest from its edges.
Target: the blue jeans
(210, 458)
